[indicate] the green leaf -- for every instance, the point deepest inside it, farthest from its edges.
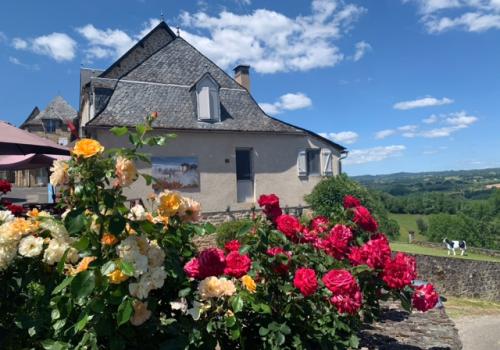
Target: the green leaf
(60, 287)
(59, 324)
(60, 264)
(75, 222)
(244, 229)
(263, 331)
(237, 304)
(119, 131)
(50, 344)
(230, 321)
(280, 338)
(127, 268)
(82, 321)
(184, 292)
(83, 284)
(235, 334)
(108, 267)
(124, 312)
(141, 129)
(354, 341)
(209, 228)
(55, 314)
(117, 224)
(285, 329)
(81, 244)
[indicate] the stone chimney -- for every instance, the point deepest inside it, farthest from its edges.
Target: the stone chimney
(242, 76)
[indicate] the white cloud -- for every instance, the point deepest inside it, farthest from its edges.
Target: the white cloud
(3, 37)
(430, 119)
(362, 48)
(287, 102)
(469, 15)
(271, 41)
(19, 44)
(58, 46)
(345, 137)
(17, 62)
(111, 43)
(422, 102)
(461, 118)
(374, 154)
(408, 128)
(382, 134)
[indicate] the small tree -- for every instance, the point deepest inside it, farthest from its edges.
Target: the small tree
(422, 225)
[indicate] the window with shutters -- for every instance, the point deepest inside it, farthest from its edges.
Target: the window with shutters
(207, 98)
(313, 161)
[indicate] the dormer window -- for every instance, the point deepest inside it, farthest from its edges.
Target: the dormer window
(207, 99)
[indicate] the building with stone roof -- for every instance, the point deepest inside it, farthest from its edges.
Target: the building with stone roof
(227, 151)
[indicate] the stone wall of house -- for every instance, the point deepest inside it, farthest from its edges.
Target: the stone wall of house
(220, 217)
(461, 277)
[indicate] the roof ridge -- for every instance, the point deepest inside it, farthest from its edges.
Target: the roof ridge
(162, 25)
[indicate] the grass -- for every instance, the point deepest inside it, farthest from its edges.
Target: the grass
(416, 249)
(407, 222)
(459, 307)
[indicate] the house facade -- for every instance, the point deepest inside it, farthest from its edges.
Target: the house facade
(50, 123)
(227, 151)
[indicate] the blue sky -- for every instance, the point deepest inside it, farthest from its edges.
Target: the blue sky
(406, 85)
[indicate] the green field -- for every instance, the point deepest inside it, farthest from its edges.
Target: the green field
(407, 222)
(416, 249)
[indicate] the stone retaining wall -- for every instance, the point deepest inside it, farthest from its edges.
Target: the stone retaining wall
(224, 216)
(461, 277)
(484, 251)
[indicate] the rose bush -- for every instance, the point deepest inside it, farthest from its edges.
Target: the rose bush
(104, 275)
(287, 284)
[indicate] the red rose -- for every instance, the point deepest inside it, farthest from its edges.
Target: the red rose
(351, 202)
(309, 236)
(337, 242)
(339, 281)
(269, 200)
(425, 297)
(280, 268)
(233, 245)
(374, 253)
(289, 225)
(348, 303)
(364, 219)
(347, 296)
(237, 265)
(5, 186)
(192, 268)
(16, 210)
(271, 206)
(320, 224)
(211, 262)
(400, 271)
(305, 280)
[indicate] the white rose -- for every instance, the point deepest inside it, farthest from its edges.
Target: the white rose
(7, 254)
(137, 213)
(6, 216)
(31, 246)
(156, 255)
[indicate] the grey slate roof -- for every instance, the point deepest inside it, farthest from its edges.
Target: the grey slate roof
(58, 108)
(159, 78)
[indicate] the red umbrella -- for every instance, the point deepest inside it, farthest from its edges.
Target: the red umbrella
(14, 141)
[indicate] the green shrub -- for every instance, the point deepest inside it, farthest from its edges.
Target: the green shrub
(328, 196)
(229, 230)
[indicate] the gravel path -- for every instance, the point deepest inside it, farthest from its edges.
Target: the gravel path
(479, 333)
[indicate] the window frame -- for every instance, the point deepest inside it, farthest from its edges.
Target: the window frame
(317, 152)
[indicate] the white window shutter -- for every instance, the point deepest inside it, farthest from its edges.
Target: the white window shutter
(204, 103)
(214, 105)
(326, 162)
(302, 163)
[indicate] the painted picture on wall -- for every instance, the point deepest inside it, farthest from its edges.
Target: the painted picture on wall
(176, 173)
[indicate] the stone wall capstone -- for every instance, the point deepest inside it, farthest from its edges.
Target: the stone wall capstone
(461, 277)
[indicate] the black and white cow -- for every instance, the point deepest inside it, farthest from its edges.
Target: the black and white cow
(452, 245)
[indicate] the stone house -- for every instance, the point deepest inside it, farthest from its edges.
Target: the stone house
(50, 123)
(227, 151)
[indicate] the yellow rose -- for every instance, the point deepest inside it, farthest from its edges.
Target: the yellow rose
(59, 174)
(109, 239)
(169, 203)
(87, 148)
(249, 283)
(213, 287)
(125, 171)
(117, 276)
(190, 210)
(83, 265)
